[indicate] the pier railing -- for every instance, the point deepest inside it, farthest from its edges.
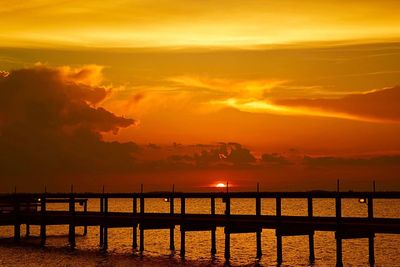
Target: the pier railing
(17, 213)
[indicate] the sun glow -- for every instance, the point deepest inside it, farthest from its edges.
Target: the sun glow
(220, 185)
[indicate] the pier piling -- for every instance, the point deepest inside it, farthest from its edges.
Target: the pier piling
(101, 232)
(141, 229)
(43, 223)
(71, 235)
(27, 230)
(213, 231)
(311, 235)
(278, 249)
(227, 253)
(183, 241)
(17, 224)
(183, 233)
(171, 230)
(85, 228)
(141, 239)
(371, 250)
(339, 255)
(134, 228)
(259, 248)
(258, 233)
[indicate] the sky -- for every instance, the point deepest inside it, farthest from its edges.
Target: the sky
(290, 94)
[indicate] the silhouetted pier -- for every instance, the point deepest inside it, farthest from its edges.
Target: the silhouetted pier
(344, 227)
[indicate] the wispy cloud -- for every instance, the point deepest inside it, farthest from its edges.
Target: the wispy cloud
(256, 88)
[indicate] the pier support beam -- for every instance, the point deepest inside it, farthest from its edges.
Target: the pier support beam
(339, 255)
(101, 235)
(71, 235)
(17, 224)
(311, 235)
(172, 229)
(371, 250)
(227, 253)
(85, 211)
(141, 229)
(213, 231)
(141, 239)
(279, 249)
(105, 238)
(134, 228)
(258, 241)
(258, 233)
(183, 242)
(278, 205)
(134, 237)
(17, 232)
(43, 235)
(183, 211)
(311, 247)
(27, 230)
(43, 223)
(171, 238)
(101, 232)
(105, 227)
(213, 243)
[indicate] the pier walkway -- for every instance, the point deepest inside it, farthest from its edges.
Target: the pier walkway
(17, 214)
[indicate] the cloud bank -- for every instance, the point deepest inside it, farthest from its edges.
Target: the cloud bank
(51, 125)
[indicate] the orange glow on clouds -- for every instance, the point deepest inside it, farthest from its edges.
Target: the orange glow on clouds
(263, 106)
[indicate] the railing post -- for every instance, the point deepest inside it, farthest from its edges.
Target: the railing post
(134, 228)
(311, 235)
(213, 231)
(72, 221)
(43, 221)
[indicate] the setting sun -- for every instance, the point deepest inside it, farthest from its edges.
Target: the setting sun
(220, 185)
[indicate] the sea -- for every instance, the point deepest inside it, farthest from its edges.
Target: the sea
(198, 244)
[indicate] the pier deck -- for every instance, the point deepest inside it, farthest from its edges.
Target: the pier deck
(344, 227)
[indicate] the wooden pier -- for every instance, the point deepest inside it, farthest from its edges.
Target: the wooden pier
(343, 227)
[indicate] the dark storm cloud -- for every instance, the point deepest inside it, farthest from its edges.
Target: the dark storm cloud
(220, 155)
(50, 125)
(275, 159)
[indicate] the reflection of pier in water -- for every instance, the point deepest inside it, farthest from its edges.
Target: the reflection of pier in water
(30, 209)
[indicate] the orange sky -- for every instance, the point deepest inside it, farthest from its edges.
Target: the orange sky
(288, 80)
